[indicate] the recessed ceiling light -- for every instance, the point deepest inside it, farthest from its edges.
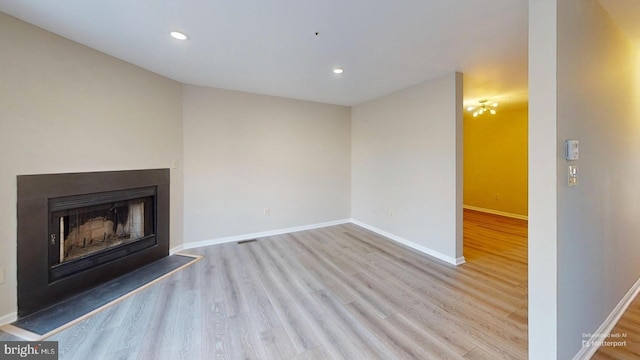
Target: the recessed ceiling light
(338, 71)
(178, 35)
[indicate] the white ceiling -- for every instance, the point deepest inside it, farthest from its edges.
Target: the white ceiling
(270, 47)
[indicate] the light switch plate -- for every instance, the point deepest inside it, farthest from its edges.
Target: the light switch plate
(573, 175)
(1, 276)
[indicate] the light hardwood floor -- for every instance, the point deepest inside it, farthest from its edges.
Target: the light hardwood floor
(334, 293)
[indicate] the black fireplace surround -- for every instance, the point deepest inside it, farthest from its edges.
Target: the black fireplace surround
(47, 205)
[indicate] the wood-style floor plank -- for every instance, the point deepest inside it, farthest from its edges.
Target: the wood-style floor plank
(340, 292)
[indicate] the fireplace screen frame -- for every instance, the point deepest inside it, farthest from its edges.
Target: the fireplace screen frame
(36, 289)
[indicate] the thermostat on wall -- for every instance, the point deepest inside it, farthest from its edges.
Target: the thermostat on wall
(572, 150)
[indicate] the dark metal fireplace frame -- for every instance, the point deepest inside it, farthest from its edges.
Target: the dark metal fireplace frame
(36, 288)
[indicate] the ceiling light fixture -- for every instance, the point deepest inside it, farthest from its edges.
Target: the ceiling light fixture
(483, 108)
(178, 35)
(338, 71)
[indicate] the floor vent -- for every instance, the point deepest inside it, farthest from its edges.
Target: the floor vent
(247, 241)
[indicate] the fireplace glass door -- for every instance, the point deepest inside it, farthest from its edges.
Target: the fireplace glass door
(89, 230)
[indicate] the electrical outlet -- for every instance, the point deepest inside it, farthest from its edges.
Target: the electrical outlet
(1, 276)
(267, 212)
(496, 197)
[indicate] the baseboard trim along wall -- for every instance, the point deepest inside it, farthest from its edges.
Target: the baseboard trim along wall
(8, 318)
(388, 235)
(496, 212)
(590, 346)
(243, 237)
(411, 244)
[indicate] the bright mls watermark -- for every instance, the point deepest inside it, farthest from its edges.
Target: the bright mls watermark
(43, 350)
(604, 340)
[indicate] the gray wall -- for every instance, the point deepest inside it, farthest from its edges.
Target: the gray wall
(583, 241)
(247, 152)
(67, 108)
(407, 158)
(598, 232)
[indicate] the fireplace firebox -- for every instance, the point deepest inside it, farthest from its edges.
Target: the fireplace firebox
(78, 230)
(93, 229)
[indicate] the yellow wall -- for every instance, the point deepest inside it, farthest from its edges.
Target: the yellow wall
(495, 161)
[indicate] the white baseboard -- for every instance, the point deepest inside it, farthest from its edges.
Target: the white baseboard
(228, 239)
(8, 318)
(422, 249)
(496, 212)
(591, 345)
(177, 249)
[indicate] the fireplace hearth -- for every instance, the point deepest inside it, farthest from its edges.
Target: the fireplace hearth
(76, 231)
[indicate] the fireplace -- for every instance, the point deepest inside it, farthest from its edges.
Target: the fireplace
(78, 230)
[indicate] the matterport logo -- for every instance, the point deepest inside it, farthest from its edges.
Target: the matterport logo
(604, 340)
(29, 350)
